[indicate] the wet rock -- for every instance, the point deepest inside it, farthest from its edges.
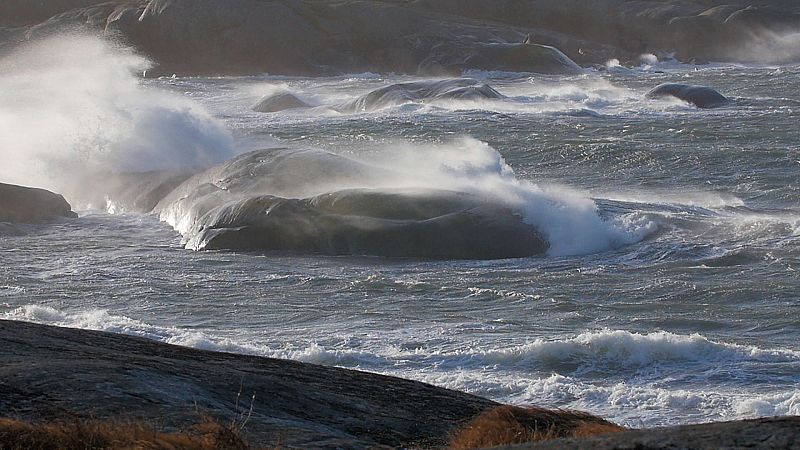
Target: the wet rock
(776, 433)
(31, 205)
(279, 102)
(700, 96)
(420, 92)
(50, 372)
(268, 200)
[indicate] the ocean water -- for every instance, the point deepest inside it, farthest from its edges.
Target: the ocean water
(669, 295)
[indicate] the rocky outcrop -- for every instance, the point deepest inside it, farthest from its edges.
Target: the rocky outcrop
(50, 372)
(420, 92)
(507, 57)
(700, 96)
(269, 200)
(280, 101)
(304, 37)
(776, 433)
(20, 204)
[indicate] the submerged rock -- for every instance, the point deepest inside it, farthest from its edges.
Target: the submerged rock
(269, 200)
(421, 91)
(20, 204)
(279, 102)
(700, 96)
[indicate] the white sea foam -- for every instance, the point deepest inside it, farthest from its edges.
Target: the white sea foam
(72, 105)
(567, 218)
(543, 372)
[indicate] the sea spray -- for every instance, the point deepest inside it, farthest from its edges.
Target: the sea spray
(623, 375)
(74, 111)
(568, 219)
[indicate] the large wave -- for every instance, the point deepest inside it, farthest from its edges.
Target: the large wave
(73, 106)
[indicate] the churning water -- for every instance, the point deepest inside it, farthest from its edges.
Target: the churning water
(669, 294)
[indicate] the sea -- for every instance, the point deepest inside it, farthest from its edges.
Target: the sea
(670, 293)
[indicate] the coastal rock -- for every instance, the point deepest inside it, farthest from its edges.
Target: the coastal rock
(268, 200)
(764, 18)
(279, 102)
(20, 204)
(420, 91)
(505, 57)
(426, 37)
(525, 57)
(700, 96)
(774, 433)
(52, 372)
(396, 223)
(138, 192)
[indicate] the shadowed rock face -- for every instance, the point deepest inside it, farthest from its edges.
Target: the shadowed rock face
(421, 91)
(268, 200)
(31, 205)
(296, 37)
(429, 224)
(279, 102)
(60, 372)
(772, 433)
(700, 96)
(508, 57)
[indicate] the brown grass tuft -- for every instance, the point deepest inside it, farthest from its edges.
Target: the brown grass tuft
(79, 434)
(515, 425)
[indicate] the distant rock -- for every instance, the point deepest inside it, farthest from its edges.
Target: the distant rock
(421, 37)
(420, 91)
(50, 372)
(504, 57)
(525, 57)
(279, 102)
(700, 96)
(20, 204)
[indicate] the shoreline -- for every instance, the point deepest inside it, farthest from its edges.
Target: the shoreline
(49, 371)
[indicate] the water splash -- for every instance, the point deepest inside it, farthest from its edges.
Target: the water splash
(72, 105)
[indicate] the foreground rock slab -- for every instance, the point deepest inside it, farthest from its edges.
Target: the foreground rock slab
(50, 372)
(775, 433)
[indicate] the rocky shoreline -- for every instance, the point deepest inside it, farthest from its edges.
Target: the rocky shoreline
(49, 372)
(424, 37)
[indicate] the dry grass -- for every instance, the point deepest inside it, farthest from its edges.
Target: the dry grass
(79, 434)
(516, 425)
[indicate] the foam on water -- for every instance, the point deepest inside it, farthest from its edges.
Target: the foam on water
(578, 372)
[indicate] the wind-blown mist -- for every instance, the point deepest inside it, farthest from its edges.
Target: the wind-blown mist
(770, 47)
(569, 221)
(72, 106)
(567, 218)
